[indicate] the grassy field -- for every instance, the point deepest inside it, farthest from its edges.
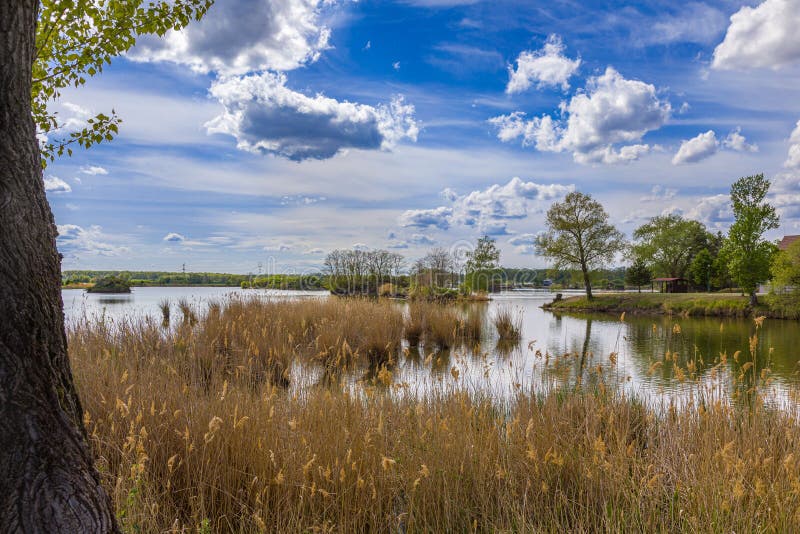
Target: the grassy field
(692, 304)
(205, 426)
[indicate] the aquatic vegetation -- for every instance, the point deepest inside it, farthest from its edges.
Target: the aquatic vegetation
(508, 323)
(164, 307)
(220, 428)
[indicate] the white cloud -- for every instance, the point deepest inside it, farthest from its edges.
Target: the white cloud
(696, 149)
(396, 65)
(279, 247)
(785, 196)
(314, 252)
(488, 209)
(438, 217)
(74, 240)
(241, 36)
(524, 243)
(54, 184)
(301, 200)
(93, 170)
(612, 110)
(737, 142)
(658, 193)
(77, 118)
(421, 239)
(793, 160)
(706, 144)
(266, 116)
(694, 23)
(547, 67)
(172, 237)
(360, 246)
(714, 211)
(764, 36)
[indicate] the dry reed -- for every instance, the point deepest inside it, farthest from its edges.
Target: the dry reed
(190, 437)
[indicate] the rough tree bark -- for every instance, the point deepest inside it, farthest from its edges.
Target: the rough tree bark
(48, 482)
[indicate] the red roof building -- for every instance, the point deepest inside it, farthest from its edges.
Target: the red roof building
(787, 240)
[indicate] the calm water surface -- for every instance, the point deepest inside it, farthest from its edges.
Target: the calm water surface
(555, 348)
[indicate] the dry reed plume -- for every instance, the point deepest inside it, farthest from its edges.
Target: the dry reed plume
(192, 434)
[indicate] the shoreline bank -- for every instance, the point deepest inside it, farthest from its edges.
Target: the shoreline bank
(686, 304)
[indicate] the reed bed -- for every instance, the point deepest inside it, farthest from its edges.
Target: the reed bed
(508, 323)
(442, 326)
(188, 440)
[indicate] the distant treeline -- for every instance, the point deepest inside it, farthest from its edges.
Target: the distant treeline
(160, 278)
(502, 278)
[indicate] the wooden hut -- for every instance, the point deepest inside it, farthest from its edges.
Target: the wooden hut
(672, 285)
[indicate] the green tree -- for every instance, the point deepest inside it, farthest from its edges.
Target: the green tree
(749, 254)
(481, 264)
(786, 267)
(638, 274)
(702, 269)
(579, 236)
(50, 483)
(75, 40)
(669, 243)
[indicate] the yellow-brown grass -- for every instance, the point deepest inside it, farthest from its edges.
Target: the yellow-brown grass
(508, 324)
(189, 436)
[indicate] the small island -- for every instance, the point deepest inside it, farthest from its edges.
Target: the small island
(110, 284)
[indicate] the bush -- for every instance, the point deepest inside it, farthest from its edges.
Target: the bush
(110, 284)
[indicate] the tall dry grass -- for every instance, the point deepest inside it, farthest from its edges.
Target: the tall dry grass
(190, 436)
(508, 323)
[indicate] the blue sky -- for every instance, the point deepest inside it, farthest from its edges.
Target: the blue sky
(276, 130)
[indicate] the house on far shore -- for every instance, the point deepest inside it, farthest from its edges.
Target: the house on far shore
(786, 241)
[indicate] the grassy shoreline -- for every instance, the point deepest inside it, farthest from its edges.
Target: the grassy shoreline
(689, 304)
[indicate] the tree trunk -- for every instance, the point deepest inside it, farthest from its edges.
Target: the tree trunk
(587, 282)
(48, 482)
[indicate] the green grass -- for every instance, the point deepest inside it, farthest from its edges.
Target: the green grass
(693, 304)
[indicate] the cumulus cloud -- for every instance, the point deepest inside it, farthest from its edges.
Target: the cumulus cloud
(785, 196)
(172, 237)
(611, 111)
(706, 144)
(548, 67)
(54, 184)
(438, 217)
(241, 36)
(93, 170)
(793, 160)
(714, 211)
(764, 36)
(488, 209)
(266, 116)
(737, 142)
(360, 246)
(74, 240)
(696, 149)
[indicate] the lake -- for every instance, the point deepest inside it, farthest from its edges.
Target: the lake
(555, 348)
